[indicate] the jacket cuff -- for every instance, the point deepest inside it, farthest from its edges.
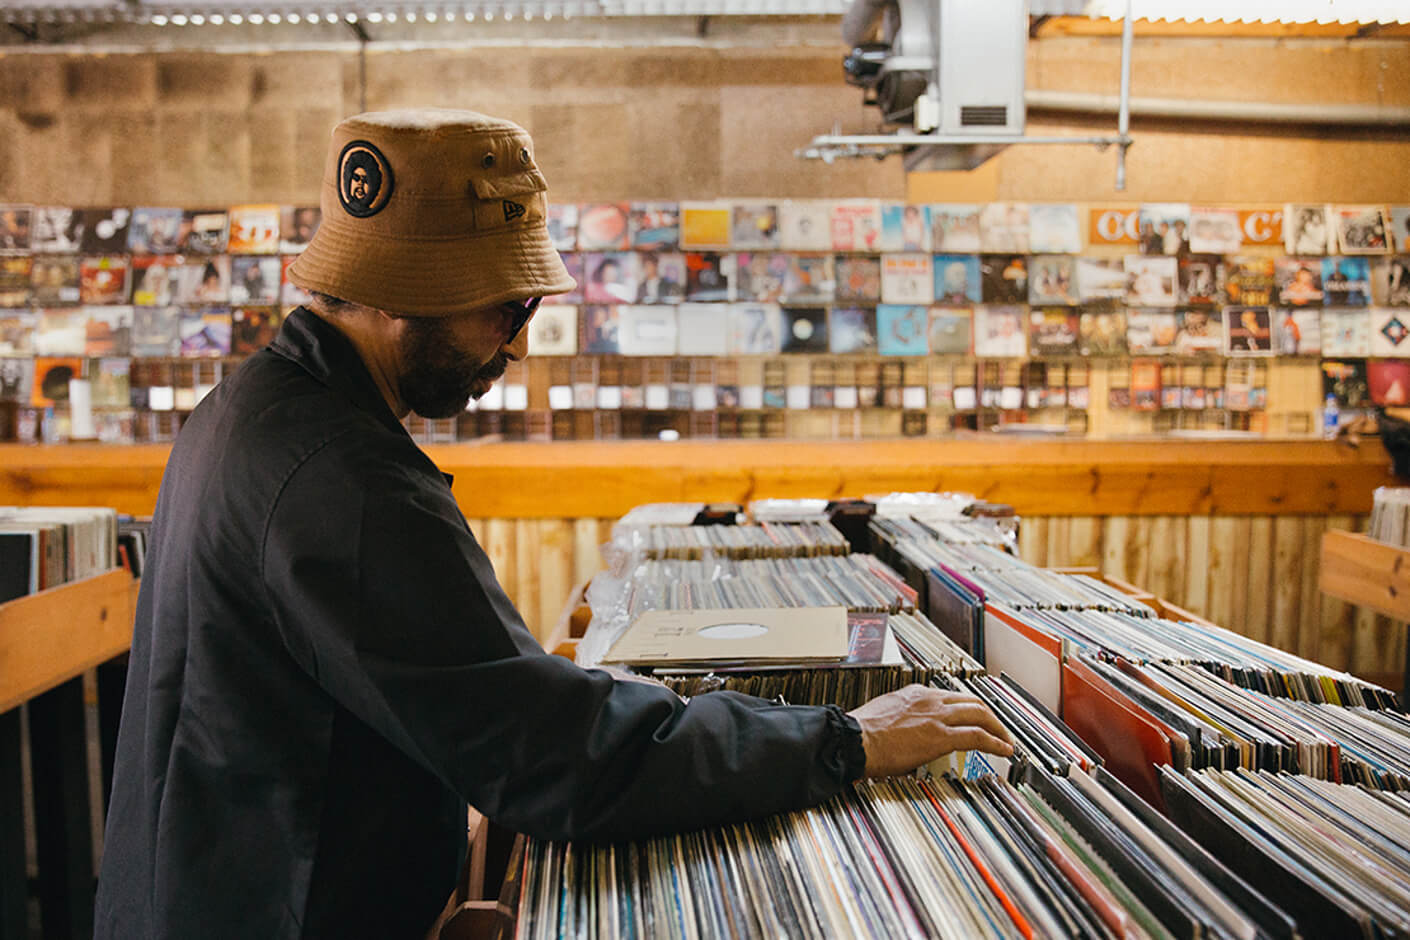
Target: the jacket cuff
(844, 753)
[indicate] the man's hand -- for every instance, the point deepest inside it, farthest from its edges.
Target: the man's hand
(902, 730)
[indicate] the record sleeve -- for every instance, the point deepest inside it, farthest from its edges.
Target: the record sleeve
(1054, 229)
(1150, 332)
(1102, 333)
(54, 280)
(112, 386)
(661, 277)
(1165, 228)
(646, 330)
(754, 226)
(1003, 227)
(654, 226)
(17, 329)
(1248, 331)
(708, 276)
(902, 330)
(16, 273)
(1346, 332)
(1389, 381)
(297, 226)
(856, 226)
(851, 330)
(254, 230)
(1113, 226)
(1390, 332)
(613, 277)
(105, 231)
(705, 225)
(563, 226)
(1052, 280)
(61, 332)
(907, 279)
(1150, 281)
(253, 328)
(205, 231)
(954, 228)
(603, 226)
(739, 635)
(255, 279)
(1345, 380)
(1298, 281)
(1201, 281)
(951, 331)
(600, 329)
(57, 230)
(1199, 332)
(958, 279)
(51, 379)
(759, 275)
(805, 225)
(1101, 279)
(154, 331)
(1399, 229)
(1215, 231)
(205, 332)
(291, 294)
(904, 227)
(756, 329)
(1250, 281)
(805, 330)
(859, 278)
(809, 279)
(702, 329)
(203, 281)
(1053, 331)
(103, 279)
(1363, 230)
(999, 332)
(16, 378)
(108, 331)
(1346, 282)
(16, 229)
(154, 231)
(1004, 279)
(553, 331)
(1390, 281)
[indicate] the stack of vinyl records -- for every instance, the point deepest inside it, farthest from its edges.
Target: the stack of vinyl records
(1337, 858)
(1390, 515)
(904, 857)
(766, 540)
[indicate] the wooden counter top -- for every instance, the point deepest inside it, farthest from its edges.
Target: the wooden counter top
(603, 479)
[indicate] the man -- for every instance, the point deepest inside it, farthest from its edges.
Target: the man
(324, 669)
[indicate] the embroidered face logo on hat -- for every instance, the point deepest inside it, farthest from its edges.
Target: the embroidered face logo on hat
(364, 179)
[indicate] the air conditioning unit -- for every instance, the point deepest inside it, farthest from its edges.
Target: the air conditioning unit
(949, 67)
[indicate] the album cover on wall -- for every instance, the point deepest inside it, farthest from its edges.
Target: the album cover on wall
(1399, 228)
(1165, 228)
(858, 279)
(1308, 229)
(1389, 332)
(61, 331)
(1250, 281)
(951, 331)
(154, 331)
(756, 329)
(562, 222)
(1102, 333)
(600, 329)
(1390, 281)
(1150, 332)
(646, 330)
(1201, 281)
(954, 228)
(253, 328)
(1003, 227)
(102, 279)
(16, 378)
(705, 225)
(1298, 281)
(1297, 331)
(1363, 230)
(1101, 279)
(205, 231)
(958, 279)
(16, 274)
(654, 225)
(805, 330)
(661, 277)
(291, 294)
(809, 279)
(254, 230)
(554, 330)
(1389, 381)
(57, 230)
(902, 330)
(754, 226)
(1054, 229)
(154, 231)
(17, 329)
(702, 329)
(52, 375)
(612, 277)
(856, 226)
(1215, 231)
(1346, 282)
(297, 226)
(1199, 331)
(1248, 331)
(205, 332)
(108, 331)
(203, 281)
(602, 226)
(1346, 332)
(1052, 280)
(999, 331)
(1004, 279)
(904, 227)
(708, 276)
(105, 230)
(1052, 331)
(759, 275)
(254, 279)
(851, 330)
(805, 225)
(1150, 281)
(16, 229)
(54, 280)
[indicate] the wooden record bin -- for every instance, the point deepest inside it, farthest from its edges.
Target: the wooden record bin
(48, 641)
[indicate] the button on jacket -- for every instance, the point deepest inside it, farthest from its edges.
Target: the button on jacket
(324, 671)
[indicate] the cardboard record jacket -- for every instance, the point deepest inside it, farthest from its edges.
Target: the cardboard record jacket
(682, 637)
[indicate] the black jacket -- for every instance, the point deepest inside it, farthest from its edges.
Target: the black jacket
(324, 670)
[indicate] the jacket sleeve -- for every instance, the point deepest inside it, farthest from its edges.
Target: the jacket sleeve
(383, 595)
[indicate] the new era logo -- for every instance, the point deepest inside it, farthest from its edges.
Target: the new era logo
(512, 210)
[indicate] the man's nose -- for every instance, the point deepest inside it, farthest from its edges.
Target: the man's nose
(518, 347)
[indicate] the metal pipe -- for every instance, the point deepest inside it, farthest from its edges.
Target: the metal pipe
(907, 140)
(1123, 119)
(1248, 112)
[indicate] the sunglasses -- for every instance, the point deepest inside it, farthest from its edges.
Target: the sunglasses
(519, 312)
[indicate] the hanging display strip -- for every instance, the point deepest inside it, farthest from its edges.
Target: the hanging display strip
(904, 857)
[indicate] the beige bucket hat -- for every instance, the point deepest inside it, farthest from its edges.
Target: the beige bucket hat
(431, 212)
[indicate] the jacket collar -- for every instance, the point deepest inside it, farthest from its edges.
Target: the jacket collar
(328, 356)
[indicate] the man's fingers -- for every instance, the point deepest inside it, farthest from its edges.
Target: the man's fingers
(977, 739)
(975, 714)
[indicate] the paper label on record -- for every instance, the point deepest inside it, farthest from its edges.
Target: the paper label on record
(799, 397)
(516, 397)
(560, 397)
(845, 396)
(658, 397)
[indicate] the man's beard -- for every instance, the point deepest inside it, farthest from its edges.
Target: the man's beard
(439, 382)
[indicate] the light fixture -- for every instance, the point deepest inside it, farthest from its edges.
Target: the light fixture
(217, 20)
(375, 16)
(432, 16)
(236, 19)
(257, 18)
(469, 16)
(159, 20)
(197, 19)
